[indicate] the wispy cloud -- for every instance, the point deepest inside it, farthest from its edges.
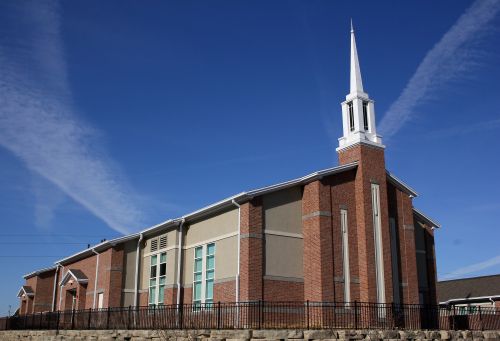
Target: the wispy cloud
(40, 125)
(473, 268)
(460, 130)
(452, 57)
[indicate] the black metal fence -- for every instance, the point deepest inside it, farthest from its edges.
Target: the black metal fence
(263, 315)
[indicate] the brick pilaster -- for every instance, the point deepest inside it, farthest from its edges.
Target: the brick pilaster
(251, 251)
(430, 252)
(318, 243)
(409, 274)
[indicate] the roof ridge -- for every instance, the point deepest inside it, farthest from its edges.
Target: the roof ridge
(468, 278)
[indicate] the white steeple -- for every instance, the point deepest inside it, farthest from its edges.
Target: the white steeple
(358, 112)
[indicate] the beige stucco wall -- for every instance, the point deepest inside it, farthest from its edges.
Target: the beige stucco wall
(283, 210)
(284, 256)
(130, 251)
(213, 227)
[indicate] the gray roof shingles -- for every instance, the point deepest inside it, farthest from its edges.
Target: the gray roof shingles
(468, 288)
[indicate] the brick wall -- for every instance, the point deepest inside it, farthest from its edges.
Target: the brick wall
(371, 169)
(251, 251)
(277, 290)
(318, 245)
(225, 291)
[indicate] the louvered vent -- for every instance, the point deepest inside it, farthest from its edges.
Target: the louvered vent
(163, 242)
(154, 245)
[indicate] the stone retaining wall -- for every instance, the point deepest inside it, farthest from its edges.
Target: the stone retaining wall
(246, 335)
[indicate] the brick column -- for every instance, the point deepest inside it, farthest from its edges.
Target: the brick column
(110, 275)
(318, 243)
(430, 252)
(409, 275)
(371, 169)
(251, 251)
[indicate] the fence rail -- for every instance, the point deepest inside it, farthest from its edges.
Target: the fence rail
(263, 315)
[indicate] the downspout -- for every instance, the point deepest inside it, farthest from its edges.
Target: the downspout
(237, 294)
(137, 258)
(60, 289)
(55, 288)
(179, 261)
(96, 274)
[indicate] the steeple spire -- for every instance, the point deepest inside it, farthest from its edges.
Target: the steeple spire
(356, 82)
(358, 111)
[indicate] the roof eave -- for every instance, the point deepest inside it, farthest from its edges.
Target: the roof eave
(401, 184)
(427, 219)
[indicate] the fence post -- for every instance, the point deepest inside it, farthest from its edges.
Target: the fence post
(57, 322)
(260, 315)
(73, 319)
(454, 314)
(48, 319)
(128, 317)
(218, 315)
(181, 316)
(481, 318)
(154, 316)
(107, 318)
(40, 322)
(307, 313)
(355, 314)
(88, 322)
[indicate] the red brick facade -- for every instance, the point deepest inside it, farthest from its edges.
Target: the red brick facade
(322, 258)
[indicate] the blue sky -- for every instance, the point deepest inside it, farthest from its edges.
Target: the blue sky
(115, 116)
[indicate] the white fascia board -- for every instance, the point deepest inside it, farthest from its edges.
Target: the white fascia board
(422, 216)
(38, 272)
(468, 299)
(98, 247)
(400, 184)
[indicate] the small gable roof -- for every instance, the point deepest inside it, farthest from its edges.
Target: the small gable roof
(426, 219)
(26, 290)
(76, 274)
(467, 289)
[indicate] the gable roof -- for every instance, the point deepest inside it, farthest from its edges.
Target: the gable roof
(76, 274)
(468, 288)
(26, 290)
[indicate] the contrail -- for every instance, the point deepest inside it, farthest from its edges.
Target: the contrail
(452, 57)
(39, 124)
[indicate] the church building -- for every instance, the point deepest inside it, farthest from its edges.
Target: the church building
(344, 234)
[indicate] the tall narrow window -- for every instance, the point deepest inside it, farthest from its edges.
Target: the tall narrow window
(203, 275)
(152, 280)
(395, 261)
(351, 116)
(157, 278)
(198, 275)
(345, 256)
(377, 231)
(365, 115)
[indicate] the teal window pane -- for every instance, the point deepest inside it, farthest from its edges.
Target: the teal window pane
(197, 265)
(154, 259)
(210, 289)
(210, 262)
(198, 252)
(163, 257)
(153, 271)
(210, 274)
(152, 282)
(152, 297)
(197, 291)
(162, 280)
(211, 249)
(161, 293)
(197, 277)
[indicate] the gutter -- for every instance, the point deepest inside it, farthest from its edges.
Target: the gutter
(96, 275)
(137, 258)
(179, 262)
(237, 293)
